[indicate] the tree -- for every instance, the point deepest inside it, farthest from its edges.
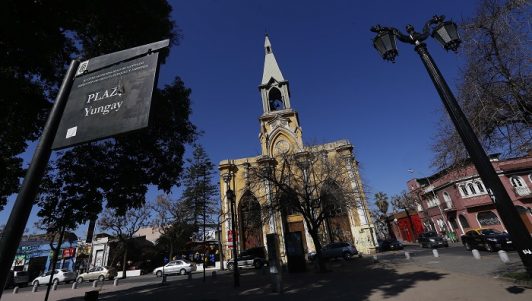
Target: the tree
(125, 226)
(405, 201)
(39, 38)
(381, 201)
(199, 193)
(312, 183)
(496, 87)
(173, 219)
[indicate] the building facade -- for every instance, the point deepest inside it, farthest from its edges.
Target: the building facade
(455, 200)
(281, 133)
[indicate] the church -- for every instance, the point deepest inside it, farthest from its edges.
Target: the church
(281, 133)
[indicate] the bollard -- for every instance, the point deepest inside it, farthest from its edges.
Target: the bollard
(407, 256)
(213, 274)
(54, 286)
(74, 285)
(435, 252)
(375, 259)
(35, 288)
(115, 283)
(95, 283)
(189, 276)
(504, 256)
(15, 290)
(476, 254)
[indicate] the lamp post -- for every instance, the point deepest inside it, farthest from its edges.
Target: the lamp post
(446, 33)
(231, 197)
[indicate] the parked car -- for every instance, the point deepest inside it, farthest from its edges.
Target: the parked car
(334, 250)
(181, 266)
(431, 239)
(489, 239)
(60, 275)
(389, 245)
(97, 273)
(254, 257)
(17, 278)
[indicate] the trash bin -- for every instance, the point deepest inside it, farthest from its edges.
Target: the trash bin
(91, 296)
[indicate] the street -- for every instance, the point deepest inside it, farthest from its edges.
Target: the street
(454, 275)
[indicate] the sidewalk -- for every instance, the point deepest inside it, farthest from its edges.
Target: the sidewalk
(358, 279)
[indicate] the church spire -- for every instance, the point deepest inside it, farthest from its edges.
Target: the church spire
(271, 69)
(274, 88)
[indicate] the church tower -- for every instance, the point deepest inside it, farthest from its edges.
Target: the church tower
(279, 124)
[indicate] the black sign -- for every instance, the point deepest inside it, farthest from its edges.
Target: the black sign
(110, 100)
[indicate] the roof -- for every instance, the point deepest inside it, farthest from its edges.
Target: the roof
(271, 69)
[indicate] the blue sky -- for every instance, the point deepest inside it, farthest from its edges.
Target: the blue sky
(339, 85)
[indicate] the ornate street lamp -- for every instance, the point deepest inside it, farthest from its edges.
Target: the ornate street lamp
(447, 34)
(231, 197)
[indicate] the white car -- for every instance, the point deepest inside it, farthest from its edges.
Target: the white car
(60, 275)
(97, 273)
(181, 266)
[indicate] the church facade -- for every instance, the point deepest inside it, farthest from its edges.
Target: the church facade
(280, 133)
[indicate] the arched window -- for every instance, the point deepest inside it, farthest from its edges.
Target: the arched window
(472, 188)
(480, 187)
(448, 200)
(463, 221)
(464, 190)
(276, 99)
(516, 181)
(488, 218)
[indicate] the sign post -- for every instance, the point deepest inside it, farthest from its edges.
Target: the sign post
(101, 97)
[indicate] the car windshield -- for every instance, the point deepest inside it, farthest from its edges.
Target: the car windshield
(64, 270)
(430, 234)
(489, 232)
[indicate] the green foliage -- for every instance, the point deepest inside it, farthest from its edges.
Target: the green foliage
(37, 41)
(199, 194)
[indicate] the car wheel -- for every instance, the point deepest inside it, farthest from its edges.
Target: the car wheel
(467, 246)
(183, 272)
(258, 264)
(489, 247)
(35, 283)
(159, 274)
(101, 278)
(346, 256)
(230, 266)
(55, 281)
(79, 280)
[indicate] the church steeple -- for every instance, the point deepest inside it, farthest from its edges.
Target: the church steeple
(280, 131)
(274, 88)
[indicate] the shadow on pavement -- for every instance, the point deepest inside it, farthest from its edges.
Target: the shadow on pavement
(353, 280)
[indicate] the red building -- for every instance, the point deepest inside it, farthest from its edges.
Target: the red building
(455, 200)
(405, 228)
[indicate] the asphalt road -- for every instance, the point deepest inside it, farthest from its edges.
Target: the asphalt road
(456, 259)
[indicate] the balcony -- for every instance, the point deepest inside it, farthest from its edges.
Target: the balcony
(522, 190)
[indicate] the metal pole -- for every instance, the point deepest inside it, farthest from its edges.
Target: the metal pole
(233, 229)
(507, 211)
(204, 220)
(20, 213)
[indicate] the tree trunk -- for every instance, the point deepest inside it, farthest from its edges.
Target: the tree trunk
(171, 249)
(124, 261)
(317, 244)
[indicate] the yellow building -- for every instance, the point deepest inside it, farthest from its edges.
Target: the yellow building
(281, 133)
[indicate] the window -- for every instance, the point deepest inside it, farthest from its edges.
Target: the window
(516, 181)
(472, 188)
(487, 218)
(276, 100)
(447, 199)
(480, 187)
(464, 190)
(463, 221)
